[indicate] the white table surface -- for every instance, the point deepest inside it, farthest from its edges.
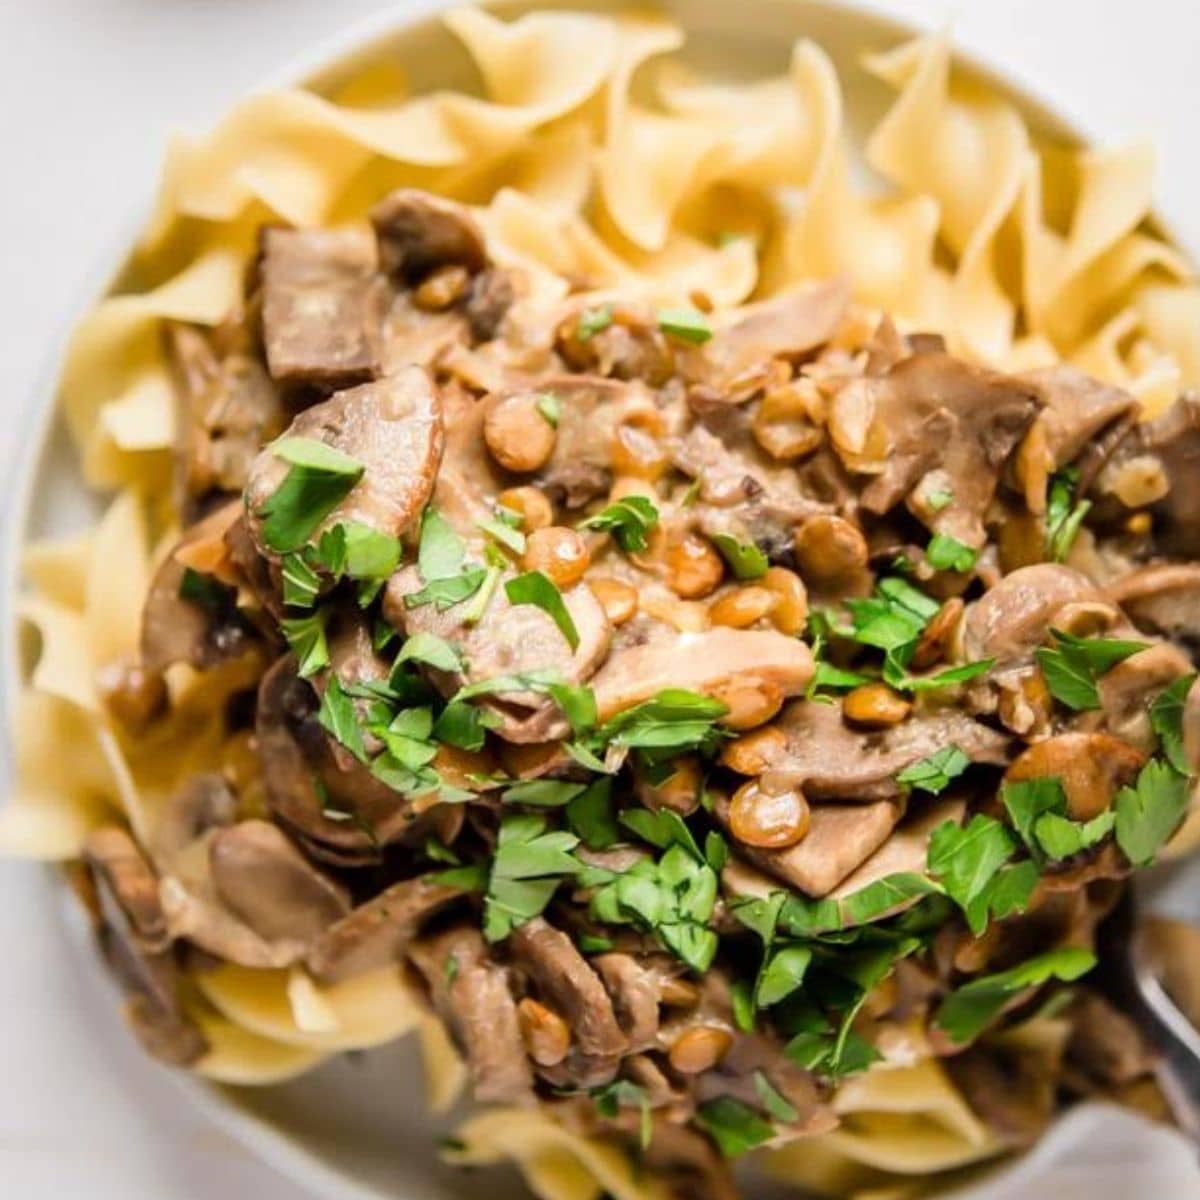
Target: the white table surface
(88, 92)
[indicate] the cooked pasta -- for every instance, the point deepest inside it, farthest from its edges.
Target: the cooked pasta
(608, 174)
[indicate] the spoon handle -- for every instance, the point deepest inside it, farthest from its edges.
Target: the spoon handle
(1178, 1042)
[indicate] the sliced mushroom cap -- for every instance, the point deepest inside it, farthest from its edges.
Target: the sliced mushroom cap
(737, 358)
(636, 993)
(705, 662)
(204, 802)
(840, 839)
(1078, 410)
(323, 304)
(570, 985)
(393, 427)
(471, 993)
(376, 933)
(329, 798)
(1163, 598)
(1174, 438)
(830, 760)
(1092, 768)
(134, 935)
(418, 231)
(591, 410)
(508, 639)
(228, 408)
(261, 877)
(1010, 620)
(931, 411)
(178, 629)
(1130, 688)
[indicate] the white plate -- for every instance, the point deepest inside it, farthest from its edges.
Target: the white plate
(356, 1129)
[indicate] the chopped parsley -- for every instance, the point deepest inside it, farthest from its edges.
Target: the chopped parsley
(628, 520)
(967, 1012)
(623, 1094)
(1064, 514)
(306, 638)
(971, 864)
(687, 324)
(540, 590)
(1150, 811)
(301, 583)
(318, 480)
(550, 406)
(593, 321)
(430, 649)
(733, 1125)
(945, 553)
(542, 793)
(592, 816)
(935, 773)
(773, 1100)
(745, 559)
(337, 716)
(1166, 719)
(939, 500)
(503, 533)
(528, 865)
(1073, 665)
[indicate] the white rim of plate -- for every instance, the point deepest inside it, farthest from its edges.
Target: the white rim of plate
(290, 1157)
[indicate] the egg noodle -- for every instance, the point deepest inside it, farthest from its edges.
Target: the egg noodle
(1021, 254)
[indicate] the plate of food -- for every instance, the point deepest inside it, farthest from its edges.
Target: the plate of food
(621, 584)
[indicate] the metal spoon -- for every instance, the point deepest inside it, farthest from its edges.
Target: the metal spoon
(1134, 961)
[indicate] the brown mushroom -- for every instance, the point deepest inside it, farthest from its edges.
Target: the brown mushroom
(1092, 768)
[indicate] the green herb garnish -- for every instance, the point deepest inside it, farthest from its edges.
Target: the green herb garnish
(1064, 514)
(745, 559)
(687, 324)
(320, 477)
(1073, 665)
(935, 773)
(945, 553)
(593, 321)
(1166, 719)
(550, 406)
(539, 589)
(628, 520)
(306, 638)
(1149, 812)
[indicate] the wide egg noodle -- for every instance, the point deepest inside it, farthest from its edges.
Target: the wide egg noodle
(557, 1163)
(574, 175)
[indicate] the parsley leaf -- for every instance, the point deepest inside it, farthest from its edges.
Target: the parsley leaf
(306, 638)
(593, 321)
(1059, 837)
(1027, 799)
(444, 593)
(773, 1101)
(967, 1012)
(550, 406)
(440, 551)
(628, 520)
(671, 721)
(508, 537)
(1074, 664)
(542, 793)
(939, 500)
(338, 717)
(945, 553)
(897, 677)
(685, 323)
(733, 1125)
(319, 479)
(540, 590)
(1150, 811)
(430, 649)
(1064, 515)
(527, 867)
(966, 860)
(884, 895)
(782, 973)
(301, 584)
(1166, 719)
(591, 816)
(745, 559)
(623, 1094)
(935, 773)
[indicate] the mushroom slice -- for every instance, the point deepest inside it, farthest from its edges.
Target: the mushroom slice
(737, 358)
(418, 231)
(508, 639)
(323, 305)
(1130, 688)
(1009, 621)
(840, 839)
(932, 411)
(375, 933)
(1092, 768)
(269, 884)
(829, 760)
(393, 427)
(205, 802)
(1174, 438)
(705, 662)
(134, 935)
(327, 797)
(472, 994)
(905, 852)
(564, 976)
(1163, 598)
(178, 629)
(636, 994)
(1079, 410)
